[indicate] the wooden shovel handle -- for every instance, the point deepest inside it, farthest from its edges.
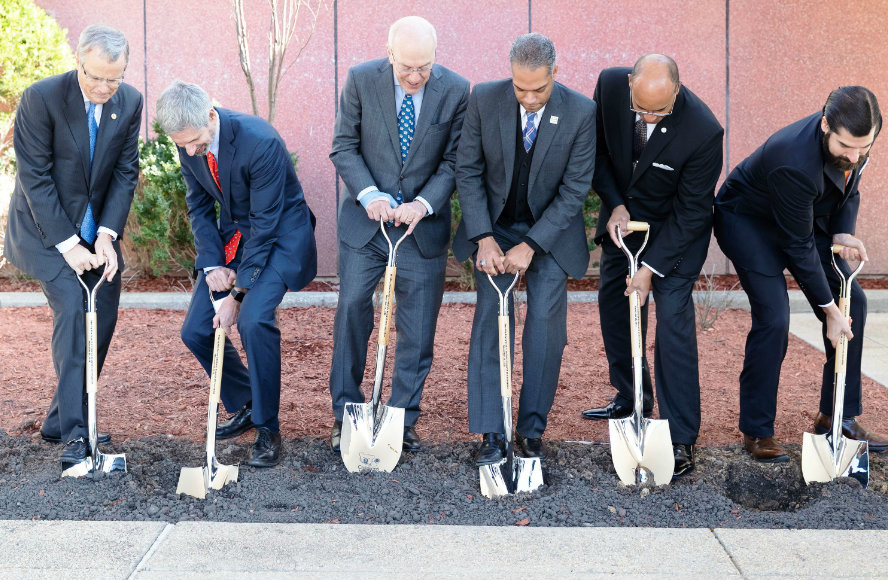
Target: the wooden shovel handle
(637, 226)
(505, 357)
(216, 368)
(92, 366)
(388, 293)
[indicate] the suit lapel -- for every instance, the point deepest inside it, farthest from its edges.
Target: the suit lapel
(385, 92)
(507, 122)
(547, 127)
(107, 128)
(75, 113)
(663, 133)
(431, 99)
(227, 151)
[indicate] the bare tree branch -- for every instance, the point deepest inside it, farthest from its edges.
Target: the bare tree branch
(243, 48)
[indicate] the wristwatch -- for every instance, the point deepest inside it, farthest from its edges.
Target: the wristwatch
(238, 295)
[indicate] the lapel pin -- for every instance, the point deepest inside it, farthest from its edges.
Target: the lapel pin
(662, 129)
(113, 115)
(553, 119)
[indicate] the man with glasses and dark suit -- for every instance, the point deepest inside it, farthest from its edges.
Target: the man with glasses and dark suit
(76, 142)
(394, 146)
(659, 157)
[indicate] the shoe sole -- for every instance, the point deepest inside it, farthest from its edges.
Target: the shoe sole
(412, 448)
(258, 464)
(646, 415)
(778, 459)
(57, 441)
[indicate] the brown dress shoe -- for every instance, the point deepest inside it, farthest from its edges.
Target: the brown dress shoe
(764, 449)
(852, 430)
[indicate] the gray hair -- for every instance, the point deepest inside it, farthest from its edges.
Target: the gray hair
(416, 25)
(183, 106)
(531, 51)
(110, 42)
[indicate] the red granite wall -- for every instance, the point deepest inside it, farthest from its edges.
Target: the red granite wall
(759, 65)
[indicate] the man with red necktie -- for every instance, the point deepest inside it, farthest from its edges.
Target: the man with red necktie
(261, 244)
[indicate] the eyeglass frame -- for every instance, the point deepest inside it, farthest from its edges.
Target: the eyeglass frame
(651, 113)
(423, 70)
(109, 82)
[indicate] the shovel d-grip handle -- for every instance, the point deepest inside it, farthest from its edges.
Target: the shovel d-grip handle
(637, 226)
(505, 350)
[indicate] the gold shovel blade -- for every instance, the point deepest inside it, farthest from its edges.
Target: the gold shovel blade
(648, 448)
(371, 443)
(820, 462)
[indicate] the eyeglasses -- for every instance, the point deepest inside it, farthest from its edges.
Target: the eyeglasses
(651, 113)
(405, 71)
(109, 82)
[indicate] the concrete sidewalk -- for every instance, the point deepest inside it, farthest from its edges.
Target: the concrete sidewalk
(155, 550)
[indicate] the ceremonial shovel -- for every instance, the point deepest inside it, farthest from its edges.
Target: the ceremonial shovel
(831, 455)
(373, 434)
(512, 474)
(196, 481)
(97, 461)
(641, 448)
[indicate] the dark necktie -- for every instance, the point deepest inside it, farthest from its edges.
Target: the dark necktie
(88, 227)
(639, 140)
(530, 132)
(406, 125)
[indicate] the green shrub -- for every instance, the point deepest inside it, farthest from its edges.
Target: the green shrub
(32, 46)
(591, 207)
(158, 226)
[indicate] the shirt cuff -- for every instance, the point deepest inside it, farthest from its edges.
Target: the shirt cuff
(652, 269)
(365, 191)
(209, 269)
(831, 302)
(428, 207)
(68, 244)
(109, 231)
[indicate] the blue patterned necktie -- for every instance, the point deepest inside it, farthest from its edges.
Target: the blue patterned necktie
(88, 228)
(530, 132)
(406, 124)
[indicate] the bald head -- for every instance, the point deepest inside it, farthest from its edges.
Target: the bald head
(654, 84)
(411, 48)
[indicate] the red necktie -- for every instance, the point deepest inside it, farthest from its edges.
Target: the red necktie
(231, 246)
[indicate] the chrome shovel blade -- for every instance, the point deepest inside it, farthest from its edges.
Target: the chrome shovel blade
(495, 479)
(371, 443)
(821, 462)
(101, 462)
(642, 451)
(196, 481)
(80, 469)
(525, 475)
(528, 474)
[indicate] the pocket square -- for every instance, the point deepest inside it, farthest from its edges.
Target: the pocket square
(661, 166)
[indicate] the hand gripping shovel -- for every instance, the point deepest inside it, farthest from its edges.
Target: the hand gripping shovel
(826, 457)
(196, 481)
(373, 434)
(97, 461)
(641, 448)
(512, 474)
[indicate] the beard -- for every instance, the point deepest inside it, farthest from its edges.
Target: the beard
(840, 163)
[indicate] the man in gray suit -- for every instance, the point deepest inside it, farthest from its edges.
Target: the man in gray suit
(77, 153)
(524, 167)
(394, 146)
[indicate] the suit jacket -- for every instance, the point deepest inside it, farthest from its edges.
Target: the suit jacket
(560, 174)
(53, 180)
(260, 196)
(673, 184)
(366, 151)
(791, 193)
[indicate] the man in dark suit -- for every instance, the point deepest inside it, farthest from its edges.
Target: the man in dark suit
(782, 208)
(261, 244)
(394, 145)
(658, 159)
(524, 167)
(76, 142)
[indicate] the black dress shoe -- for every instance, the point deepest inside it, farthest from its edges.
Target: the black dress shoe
(491, 450)
(412, 441)
(236, 424)
(684, 458)
(852, 430)
(530, 446)
(613, 410)
(266, 451)
(102, 438)
(336, 437)
(75, 451)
